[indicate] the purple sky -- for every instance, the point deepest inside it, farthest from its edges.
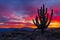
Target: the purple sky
(22, 10)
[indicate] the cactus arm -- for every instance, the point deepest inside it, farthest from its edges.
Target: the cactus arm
(37, 21)
(42, 15)
(46, 10)
(50, 17)
(46, 17)
(43, 9)
(46, 20)
(34, 22)
(46, 14)
(39, 15)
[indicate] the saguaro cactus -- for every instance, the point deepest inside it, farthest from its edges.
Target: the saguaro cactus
(42, 21)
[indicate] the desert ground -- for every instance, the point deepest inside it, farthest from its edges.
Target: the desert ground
(16, 34)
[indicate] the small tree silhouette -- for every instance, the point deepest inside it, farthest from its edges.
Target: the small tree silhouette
(42, 21)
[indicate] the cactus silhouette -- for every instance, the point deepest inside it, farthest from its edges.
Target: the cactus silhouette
(42, 21)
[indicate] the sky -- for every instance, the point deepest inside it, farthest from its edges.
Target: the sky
(19, 13)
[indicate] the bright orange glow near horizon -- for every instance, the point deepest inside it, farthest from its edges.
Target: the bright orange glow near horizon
(31, 25)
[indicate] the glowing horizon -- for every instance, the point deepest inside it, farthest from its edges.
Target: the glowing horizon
(30, 25)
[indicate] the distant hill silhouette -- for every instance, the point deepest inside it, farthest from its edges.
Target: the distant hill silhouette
(16, 29)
